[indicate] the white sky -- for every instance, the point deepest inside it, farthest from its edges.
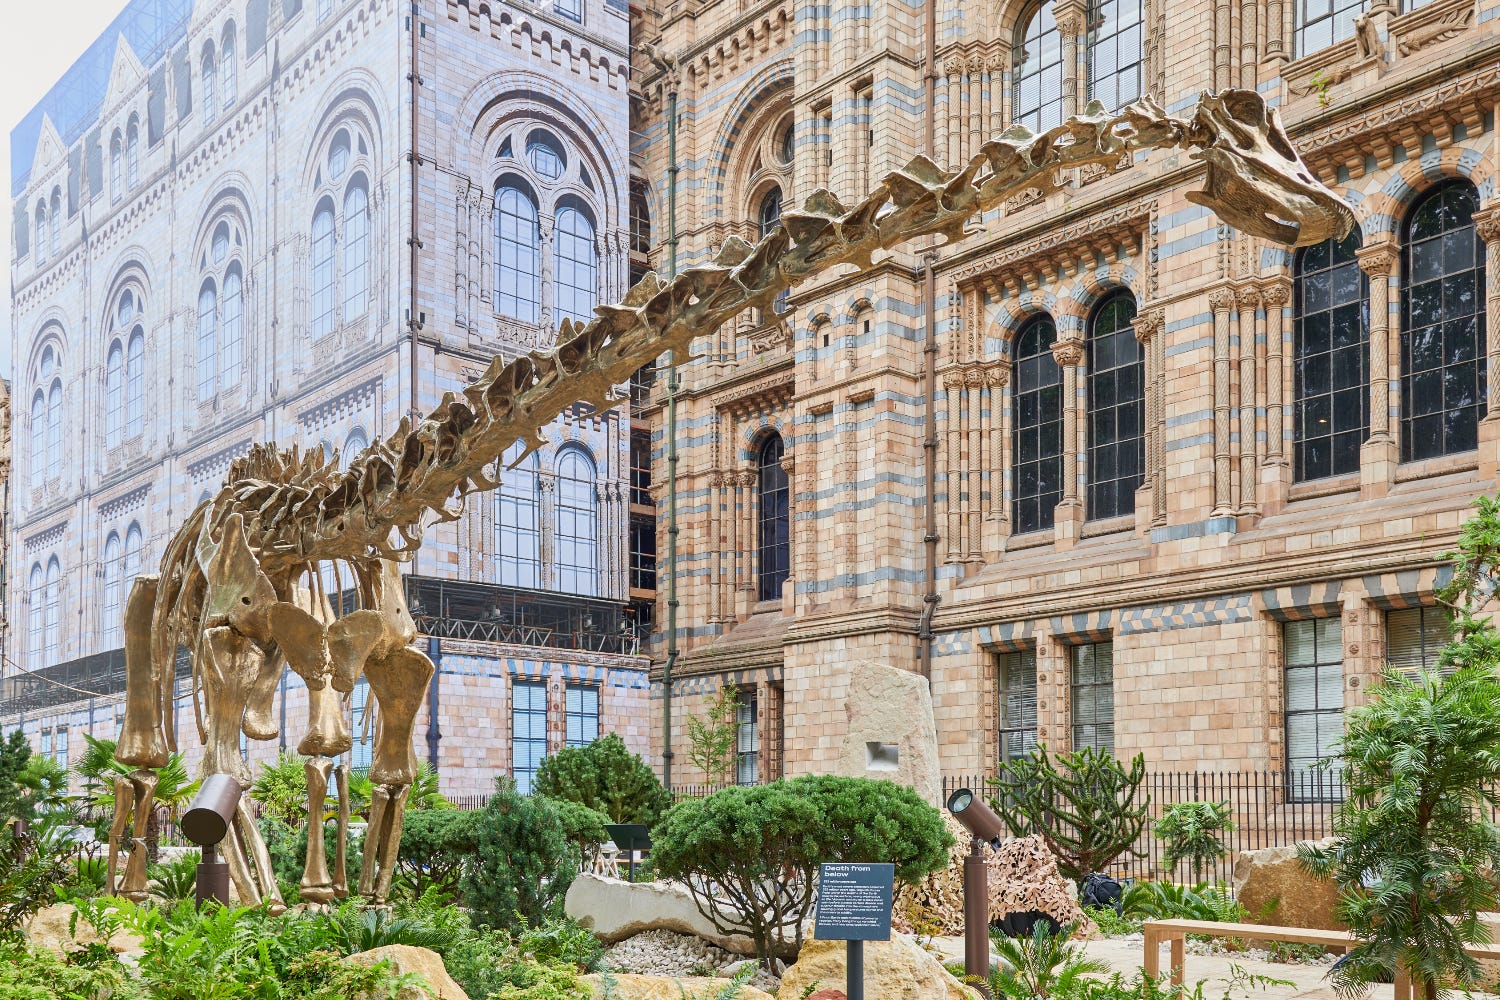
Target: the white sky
(41, 40)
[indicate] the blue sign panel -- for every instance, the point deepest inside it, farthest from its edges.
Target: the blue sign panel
(854, 902)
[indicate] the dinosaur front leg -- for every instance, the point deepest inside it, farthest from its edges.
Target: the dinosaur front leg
(143, 785)
(341, 845)
(124, 799)
(255, 849)
(317, 885)
(381, 862)
(398, 680)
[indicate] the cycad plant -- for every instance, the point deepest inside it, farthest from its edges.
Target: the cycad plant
(1041, 966)
(1422, 763)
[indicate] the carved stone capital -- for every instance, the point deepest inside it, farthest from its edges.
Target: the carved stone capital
(748, 478)
(546, 484)
(1487, 224)
(953, 378)
(1378, 260)
(1276, 293)
(1247, 297)
(1221, 299)
(974, 378)
(1000, 375)
(1067, 353)
(1148, 324)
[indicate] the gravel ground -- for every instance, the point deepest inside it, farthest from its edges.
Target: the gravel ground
(663, 953)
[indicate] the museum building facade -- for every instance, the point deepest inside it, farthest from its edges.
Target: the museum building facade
(300, 221)
(1108, 472)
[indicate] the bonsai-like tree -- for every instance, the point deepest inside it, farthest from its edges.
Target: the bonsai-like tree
(712, 738)
(1421, 761)
(1087, 807)
(607, 777)
(1193, 832)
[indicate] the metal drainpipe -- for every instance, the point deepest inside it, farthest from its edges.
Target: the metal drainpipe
(434, 733)
(413, 241)
(672, 529)
(929, 362)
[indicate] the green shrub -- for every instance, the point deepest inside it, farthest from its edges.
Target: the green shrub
(1042, 966)
(174, 880)
(1193, 832)
(1169, 901)
(759, 848)
(582, 826)
(436, 846)
(31, 869)
(41, 975)
(607, 777)
(563, 941)
(523, 864)
(1110, 923)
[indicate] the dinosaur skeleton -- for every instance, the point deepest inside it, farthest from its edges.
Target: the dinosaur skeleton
(240, 584)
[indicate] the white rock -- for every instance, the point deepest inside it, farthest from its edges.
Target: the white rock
(615, 910)
(890, 709)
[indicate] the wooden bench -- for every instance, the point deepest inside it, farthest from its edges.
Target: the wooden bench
(1176, 932)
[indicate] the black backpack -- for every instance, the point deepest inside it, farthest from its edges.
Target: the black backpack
(1101, 890)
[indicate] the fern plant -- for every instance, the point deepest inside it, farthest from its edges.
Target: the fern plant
(1041, 966)
(1193, 832)
(174, 880)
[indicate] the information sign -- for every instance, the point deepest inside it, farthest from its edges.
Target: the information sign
(854, 902)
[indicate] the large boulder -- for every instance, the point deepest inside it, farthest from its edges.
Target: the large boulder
(615, 910)
(892, 733)
(898, 969)
(1274, 887)
(404, 958)
(49, 929)
(667, 988)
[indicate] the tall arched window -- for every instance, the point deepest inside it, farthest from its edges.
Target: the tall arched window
(1037, 69)
(1442, 299)
(114, 584)
(355, 443)
(39, 438)
(577, 264)
(114, 396)
(517, 254)
(54, 232)
(1117, 397)
(1114, 52)
(54, 429)
(773, 545)
(135, 383)
(36, 618)
(322, 269)
(232, 328)
(116, 167)
(577, 524)
(208, 311)
(1320, 23)
(1331, 364)
(53, 638)
(226, 58)
(518, 538)
(46, 418)
(40, 238)
(356, 248)
(133, 151)
(210, 79)
(1037, 438)
(132, 553)
(769, 216)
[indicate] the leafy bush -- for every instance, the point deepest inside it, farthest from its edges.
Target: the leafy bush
(564, 942)
(281, 789)
(174, 880)
(583, 827)
(607, 777)
(41, 975)
(1168, 901)
(523, 865)
(436, 846)
(31, 867)
(1087, 806)
(357, 929)
(1041, 966)
(758, 848)
(1193, 832)
(1110, 923)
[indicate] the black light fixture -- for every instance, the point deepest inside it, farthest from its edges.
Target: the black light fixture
(984, 827)
(979, 819)
(206, 823)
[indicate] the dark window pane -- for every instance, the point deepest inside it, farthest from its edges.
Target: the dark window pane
(1332, 357)
(1037, 434)
(1116, 401)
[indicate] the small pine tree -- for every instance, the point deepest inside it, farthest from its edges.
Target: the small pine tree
(523, 864)
(712, 739)
(1086, 806)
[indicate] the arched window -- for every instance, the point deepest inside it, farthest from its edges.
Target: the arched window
(788, 148)
(1114, 52)
(114, 396)
(1442, 300)
(232, 332)
(577, 524)
(356, 247)
(116, 167)
(1331, 360)
(53, 637)
(355, 443)
(773, 544)
(114, 584)
(39, 438)
(1037, 69)
(640, 220)
(1320, 23)
(518, 539)
(545, 157)
(46, 419)
(36, 618)
(517, 254)
(208, 311)
(133, 151)
(54, 232)
(338, 156)
(226, 57)
(132, 553)
(1116, 390)
(322, 269)
(54, 429)
(769, 216)
(135, 383)
(40, 238)
(210, 79)
(576, 265)
(1037, 438)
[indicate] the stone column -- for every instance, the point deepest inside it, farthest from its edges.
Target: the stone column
(1221, 300)
(1148, 332)
(976, 104)
(1247, 299)
(1381, 452)
(1276, 472)
(736, 572)
(997, 527)
(1223, 43)
(545, 314)
(1072, 21)
(1487, 225)
(546, 520)
(1276, 47)
(1249, 64)
(716, 544)
(748, 481)
(954, 68)
(789, 586)
(1068, 520)
(953, 391)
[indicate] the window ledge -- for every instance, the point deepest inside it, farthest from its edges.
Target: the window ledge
(1108, 526)
(761, 607)
(1311, 489)
(1031, 539)
(1443, 465)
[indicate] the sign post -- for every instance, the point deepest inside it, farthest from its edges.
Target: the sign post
(854, 906)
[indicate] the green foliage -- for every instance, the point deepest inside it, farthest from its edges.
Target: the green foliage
(281, 789)
(1112, 924)
(15, 751)
(359, 929)
(174, 880)
(44, 787)
(523, 865)
(288, 849)
(31, 867)
(87, 879)
(1169, 901)
(607, 777)
(759, 848)
(562, 942)
(1193, 832)
(527, 980)
(1087, 807)
(436, 846)
(582, 826)
(1041, 966)
(713, 739)
(41, 975)
(1140, 986)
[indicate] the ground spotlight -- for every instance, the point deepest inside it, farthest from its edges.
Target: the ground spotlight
(978, 818)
